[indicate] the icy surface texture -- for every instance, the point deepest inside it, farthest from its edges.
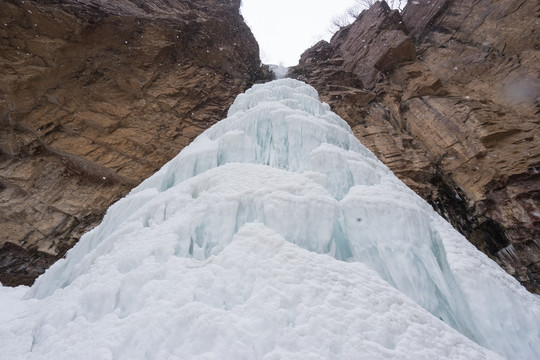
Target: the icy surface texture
(274, 235)
(279, 71)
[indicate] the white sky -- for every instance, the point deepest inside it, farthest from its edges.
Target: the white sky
(284, 29)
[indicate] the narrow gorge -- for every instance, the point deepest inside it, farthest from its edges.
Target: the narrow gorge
(96, 95)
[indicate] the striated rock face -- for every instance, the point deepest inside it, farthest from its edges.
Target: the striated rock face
(447, 95)
(95, 96)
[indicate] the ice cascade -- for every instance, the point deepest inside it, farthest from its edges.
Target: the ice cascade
(275, 235)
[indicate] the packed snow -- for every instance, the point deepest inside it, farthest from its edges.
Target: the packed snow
(275, 235)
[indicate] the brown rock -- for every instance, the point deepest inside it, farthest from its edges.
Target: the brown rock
(399, 49)
(377, 41)
(97, 95)
(459, 121)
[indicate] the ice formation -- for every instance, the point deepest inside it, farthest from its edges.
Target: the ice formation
(279, 71)
(275, 235)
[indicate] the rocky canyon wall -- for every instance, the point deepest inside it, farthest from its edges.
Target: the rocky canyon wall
(447, 95)
(95, 96)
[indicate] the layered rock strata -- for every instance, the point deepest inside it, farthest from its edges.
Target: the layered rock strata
(447, 94)
(97, 95)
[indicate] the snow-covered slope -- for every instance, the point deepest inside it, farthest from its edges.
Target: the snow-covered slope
(275, 235)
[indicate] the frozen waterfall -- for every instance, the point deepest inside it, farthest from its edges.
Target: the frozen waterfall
(275, 235)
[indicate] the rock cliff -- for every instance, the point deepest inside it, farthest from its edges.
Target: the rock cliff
(95, 96)
(447, 94)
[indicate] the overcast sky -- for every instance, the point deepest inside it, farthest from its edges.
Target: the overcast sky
(284, 29)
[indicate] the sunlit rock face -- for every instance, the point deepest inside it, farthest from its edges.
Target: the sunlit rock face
(95, 96)
(446, 94)
(275, 235)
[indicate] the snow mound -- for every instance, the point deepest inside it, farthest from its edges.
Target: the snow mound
(275, 235)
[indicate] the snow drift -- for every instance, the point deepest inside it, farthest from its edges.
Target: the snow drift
(274, 235)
